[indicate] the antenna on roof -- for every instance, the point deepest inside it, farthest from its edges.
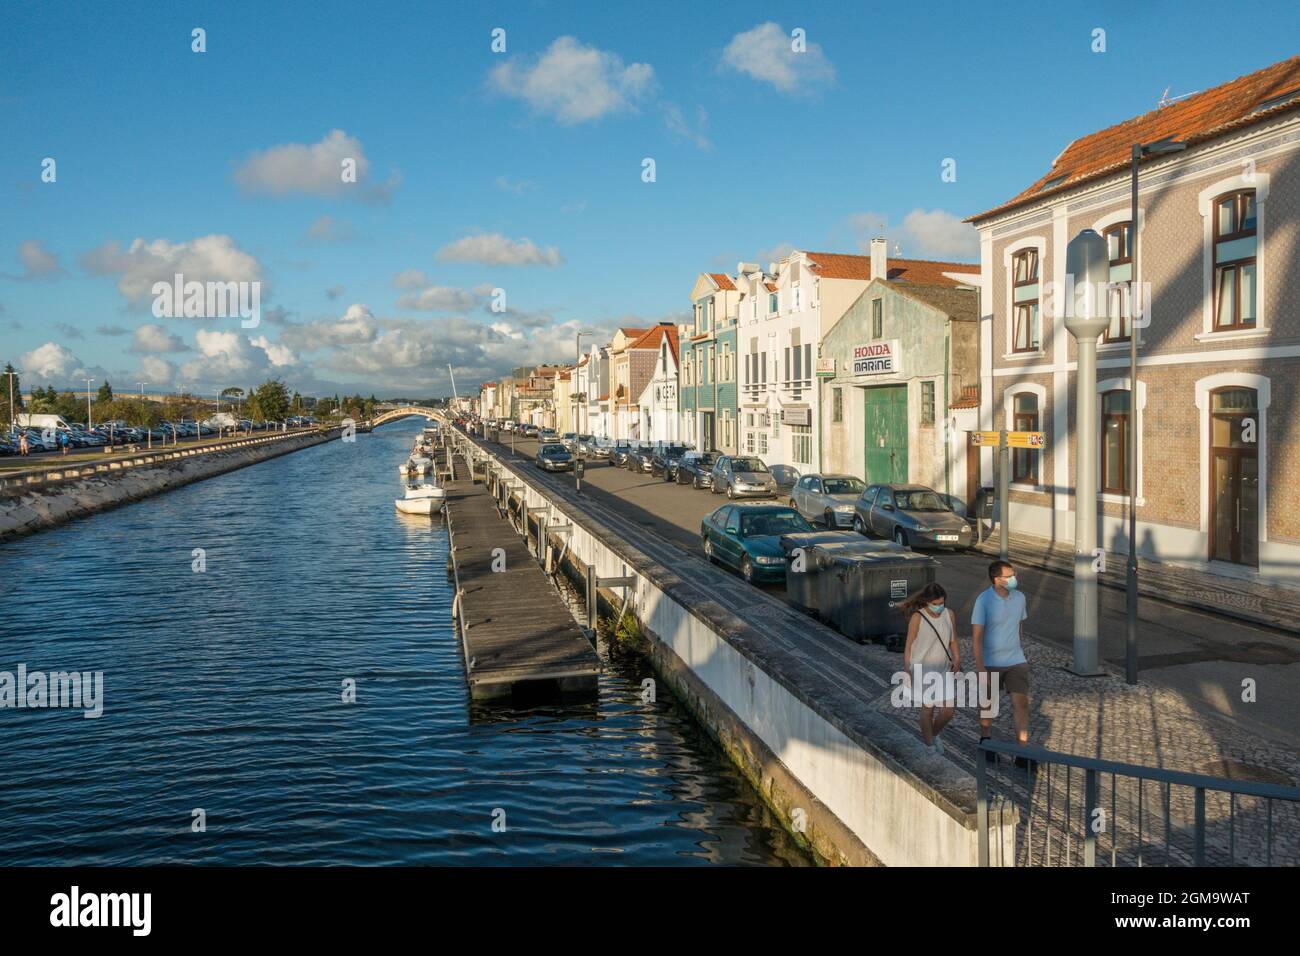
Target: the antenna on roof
(1166, 99)
(897, 250)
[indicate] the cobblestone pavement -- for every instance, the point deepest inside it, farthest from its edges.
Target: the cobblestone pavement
(1145, 724)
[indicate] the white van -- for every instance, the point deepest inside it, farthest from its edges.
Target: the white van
(43, 422)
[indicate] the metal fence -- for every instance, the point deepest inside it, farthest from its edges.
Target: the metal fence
(1082, 811)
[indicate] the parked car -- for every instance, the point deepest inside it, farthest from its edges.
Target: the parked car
(586, 446)
(569, 440)
(618, 454)
(747, 537)
(665, 459)
(912, 515)
(552, 456)
(786, 478)
(641, 459)
(547, 434)
(696, 469)
(827, 498)
(742, 476)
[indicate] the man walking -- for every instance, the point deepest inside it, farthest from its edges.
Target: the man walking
(998, 622)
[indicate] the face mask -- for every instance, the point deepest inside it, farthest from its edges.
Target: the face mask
(936, 608)
(1012, 584)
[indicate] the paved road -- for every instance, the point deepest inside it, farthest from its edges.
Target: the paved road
(1203, 656)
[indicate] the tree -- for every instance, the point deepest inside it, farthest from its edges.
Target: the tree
(133, 411)
(105, 392)
(296, 404)
(9, 383)
(269, 401)
(233, 395)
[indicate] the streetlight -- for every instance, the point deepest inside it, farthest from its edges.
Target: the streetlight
(150, 432)
(89, 423)
(1160, 147)
(1087, 264)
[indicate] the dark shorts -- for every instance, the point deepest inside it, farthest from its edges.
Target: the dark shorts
(1013, 679)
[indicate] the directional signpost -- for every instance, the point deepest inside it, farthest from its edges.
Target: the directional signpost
(1003, 441)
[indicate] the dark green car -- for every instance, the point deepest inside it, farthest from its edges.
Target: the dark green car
(748, 538)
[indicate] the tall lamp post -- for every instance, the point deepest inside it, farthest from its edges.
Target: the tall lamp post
(1136, 302)
(89, 423)
(1088, 265)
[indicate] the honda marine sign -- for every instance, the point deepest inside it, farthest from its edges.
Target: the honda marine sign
(876, 358)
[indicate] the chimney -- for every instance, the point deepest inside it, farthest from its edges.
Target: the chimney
(879, 258)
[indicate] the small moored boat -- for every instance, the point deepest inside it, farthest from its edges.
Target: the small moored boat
(425, 499)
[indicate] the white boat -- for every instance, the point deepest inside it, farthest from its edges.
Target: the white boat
(416, 464)
(423, 499)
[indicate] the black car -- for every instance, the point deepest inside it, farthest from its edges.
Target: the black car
(665, 461)
(696, 469)
(552, 456)
(618, 454)
(641, 459)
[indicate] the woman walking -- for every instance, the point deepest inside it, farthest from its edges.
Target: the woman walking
(931, 649)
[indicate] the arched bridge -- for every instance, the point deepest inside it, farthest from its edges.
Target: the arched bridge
(406, 411)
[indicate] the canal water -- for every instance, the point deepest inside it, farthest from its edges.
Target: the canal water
(226, 618)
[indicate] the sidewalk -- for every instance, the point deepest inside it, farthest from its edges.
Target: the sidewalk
(1271, 606)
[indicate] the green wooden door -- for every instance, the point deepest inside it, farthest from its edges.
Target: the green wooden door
(886, 434)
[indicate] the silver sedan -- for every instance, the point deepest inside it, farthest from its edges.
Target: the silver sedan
(827, 498)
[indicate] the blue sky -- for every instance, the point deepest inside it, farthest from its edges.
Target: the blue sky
(519, 170)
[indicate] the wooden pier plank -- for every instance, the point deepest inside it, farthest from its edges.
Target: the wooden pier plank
(514, 626)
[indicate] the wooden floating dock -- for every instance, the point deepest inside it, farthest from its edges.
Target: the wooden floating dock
(513, 624)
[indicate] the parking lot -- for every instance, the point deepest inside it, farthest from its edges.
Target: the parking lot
(1193, 652)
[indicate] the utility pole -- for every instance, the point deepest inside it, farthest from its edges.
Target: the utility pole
(89, 381)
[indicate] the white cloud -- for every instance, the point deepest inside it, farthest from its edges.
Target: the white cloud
(411, 279)
(152, 339)
(518, 187)
(494, 249)
(438, 298)
(766, 53)
(314, 170)
(575, 83)
(356, 326)
(229, 358)
(50, 361)
(157, 371)
(278, 354)
(213, 258)
(38, 262)
(329, 229)
(923, 234)
(679, 126)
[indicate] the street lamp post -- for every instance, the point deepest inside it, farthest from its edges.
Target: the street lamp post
(1088, 265)
(149, 434)
(89, 423)
(1136, 309)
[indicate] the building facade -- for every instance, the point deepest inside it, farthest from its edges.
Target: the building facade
(657, 405)
(707, 395)
(1218, 380)
(891, 366)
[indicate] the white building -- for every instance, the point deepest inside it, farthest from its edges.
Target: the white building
(658, 401)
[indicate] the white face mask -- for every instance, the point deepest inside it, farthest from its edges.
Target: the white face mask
(935, 608)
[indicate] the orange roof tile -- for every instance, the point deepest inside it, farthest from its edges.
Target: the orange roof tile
(654, 336)
(835, 265)
(771, 286)
(970, 398)
(632, 333)
(1198, 118)
(723, 280)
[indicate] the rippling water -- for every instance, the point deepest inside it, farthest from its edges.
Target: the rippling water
(222, 692)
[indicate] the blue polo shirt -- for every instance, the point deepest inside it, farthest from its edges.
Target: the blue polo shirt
(1000, 617)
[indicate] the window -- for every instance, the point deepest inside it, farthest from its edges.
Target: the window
(1114, 442)
(1024, 288)
(1119, 249)
(711, 313)
(749, 442)
(762, 443)
(1234, 261)
(927, 403)
(837, 404)
(801, 439)
(1024, 461)
(877, 318)
(771, 303)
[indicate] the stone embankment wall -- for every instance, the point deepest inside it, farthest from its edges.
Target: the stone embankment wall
(39, 502)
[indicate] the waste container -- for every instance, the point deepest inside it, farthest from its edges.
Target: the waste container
(804, 580)
(859, 591)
